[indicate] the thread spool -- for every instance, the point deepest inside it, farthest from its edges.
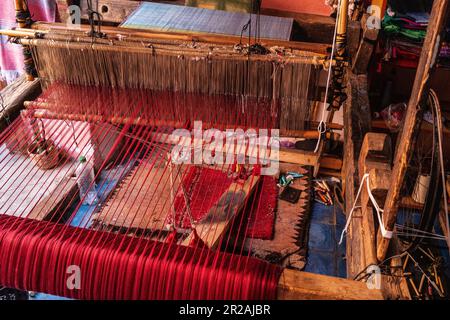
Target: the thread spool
(421, 188)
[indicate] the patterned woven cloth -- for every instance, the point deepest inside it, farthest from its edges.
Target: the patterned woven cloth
(11, 59)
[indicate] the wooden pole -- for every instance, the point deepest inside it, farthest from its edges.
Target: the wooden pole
(405, 147)
(341, 40)
(23, 19)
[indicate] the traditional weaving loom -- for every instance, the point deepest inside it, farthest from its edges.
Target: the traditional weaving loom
(162, 229)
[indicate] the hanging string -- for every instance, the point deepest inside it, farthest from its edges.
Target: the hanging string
(385, 233)
(322, 127)
(95, 31)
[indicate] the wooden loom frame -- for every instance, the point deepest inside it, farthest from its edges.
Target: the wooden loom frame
(365, 244)
(296, 284)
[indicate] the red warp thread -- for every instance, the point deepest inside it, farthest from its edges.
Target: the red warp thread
(262, 216)
(36, 255)
(203, 188)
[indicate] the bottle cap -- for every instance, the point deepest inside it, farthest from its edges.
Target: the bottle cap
(82, 159)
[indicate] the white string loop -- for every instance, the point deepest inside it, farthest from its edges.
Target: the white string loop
(385, 233)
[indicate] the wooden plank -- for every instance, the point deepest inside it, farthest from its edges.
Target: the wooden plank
(298, 285)
(376, 152)
(375, 160)
(357, 124)
(316, 28)
(217, 221)
(424, 127)
(51, 206)
(413, 113)
(13, 97)
(111, 10)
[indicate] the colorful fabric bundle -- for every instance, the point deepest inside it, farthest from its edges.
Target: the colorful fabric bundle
(41, 257)
(401, 26)
(404, 36)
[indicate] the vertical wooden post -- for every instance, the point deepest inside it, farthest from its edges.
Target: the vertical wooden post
(430, 51)
(341, 34)
(338, 80)
(23, 19)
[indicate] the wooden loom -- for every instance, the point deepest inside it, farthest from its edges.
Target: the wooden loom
(292, 284)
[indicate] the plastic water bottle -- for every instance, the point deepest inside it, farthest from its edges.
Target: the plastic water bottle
(86, 184)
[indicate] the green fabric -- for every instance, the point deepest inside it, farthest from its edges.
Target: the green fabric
(393, 27)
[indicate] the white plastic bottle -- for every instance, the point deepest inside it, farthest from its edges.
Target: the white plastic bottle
(86, 181)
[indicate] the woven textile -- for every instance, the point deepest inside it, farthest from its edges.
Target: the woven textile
(171, 18)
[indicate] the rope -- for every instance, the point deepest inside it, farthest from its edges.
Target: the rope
(441, 159)
(322, 127)
(385, 233)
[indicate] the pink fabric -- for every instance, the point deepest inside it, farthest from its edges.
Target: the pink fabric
(11, 60)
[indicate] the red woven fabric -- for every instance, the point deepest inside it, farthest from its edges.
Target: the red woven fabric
(36, 255)
(204, 187)
(262, 215)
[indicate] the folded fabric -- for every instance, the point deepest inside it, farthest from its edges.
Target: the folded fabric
(394, 27)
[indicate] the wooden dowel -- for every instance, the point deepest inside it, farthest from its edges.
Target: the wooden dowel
(40, 110)
(430, 51)
(46, 114)
(23, 19)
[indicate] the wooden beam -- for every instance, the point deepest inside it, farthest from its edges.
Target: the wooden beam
(405, 148)
(376, 152)
(316, 28)
(299, 285)
(374, 160)
(285, 155)
(357, 124)
(14, 96)
(366, 47)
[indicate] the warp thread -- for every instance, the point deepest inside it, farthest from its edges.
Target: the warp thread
(35, 256)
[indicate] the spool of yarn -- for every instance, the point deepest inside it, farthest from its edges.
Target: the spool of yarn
(421, 188)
